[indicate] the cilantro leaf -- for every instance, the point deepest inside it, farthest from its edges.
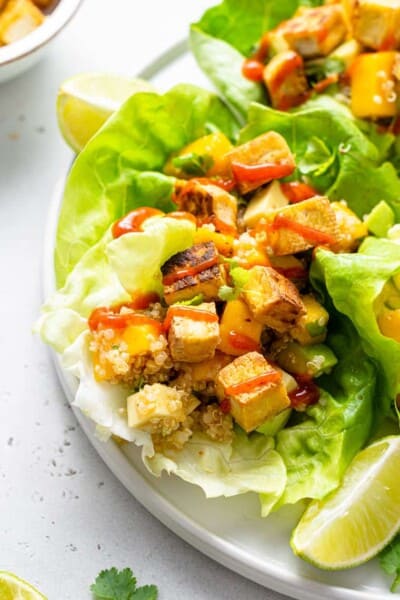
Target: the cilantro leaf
(147, 592)
(112, 584)
(390, 561)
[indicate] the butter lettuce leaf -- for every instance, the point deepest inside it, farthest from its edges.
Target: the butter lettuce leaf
(117, 170)
(350, 166)
(108, 274)
(354, 282)
(248, 464)
(318, 448)
(227, 34)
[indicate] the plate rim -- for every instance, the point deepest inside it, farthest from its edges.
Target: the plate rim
(213, 546)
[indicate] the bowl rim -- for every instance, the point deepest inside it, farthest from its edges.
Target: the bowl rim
(53, 24)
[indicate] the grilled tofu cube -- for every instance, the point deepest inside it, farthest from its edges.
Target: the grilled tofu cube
(285, 79)
(19, 18)
(192, 272)
(376, 23)
(194, 340)
(273, 299)
(301, 226)
(261, 160)
(315, 31)
(311, 328)
(208, 370)
(210, 204)
(252, 399)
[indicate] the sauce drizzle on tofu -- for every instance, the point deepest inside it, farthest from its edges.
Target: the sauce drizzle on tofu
(247, 386)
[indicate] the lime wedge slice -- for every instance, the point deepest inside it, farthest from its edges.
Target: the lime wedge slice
(360, 518)
(14, 588)
(85, 102)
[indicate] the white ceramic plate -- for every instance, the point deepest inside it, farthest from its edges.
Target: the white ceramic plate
(227, 530)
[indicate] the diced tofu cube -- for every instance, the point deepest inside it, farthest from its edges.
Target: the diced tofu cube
(252, 401)
(315, 31)
(273, 299)
(285, 79)
(205, 283)
(193, 340)
(302, 226)
(239, 331)
(210, 204)
(351, 230)
(311, 328)
(373, 85)
(263, 202)
(192, 272)
(19, 18)
(156, 408)
(376, 23)
(261, 160)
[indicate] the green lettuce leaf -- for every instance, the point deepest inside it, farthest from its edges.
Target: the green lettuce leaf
(389, 560)
(337, 158)
(354, 281)
(109, 273)
(248, 464)
(317, 449)
(228, 33)
(116, 171)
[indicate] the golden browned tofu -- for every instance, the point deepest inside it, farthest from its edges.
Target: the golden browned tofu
(19, 18)
(191, 338)
(376, 23)
(208, 370)
(252, 389)
(210, 204)
(261, 160)
(315, 31)
(285, 79)
(192, 272)
(273, 299)
(301, 226)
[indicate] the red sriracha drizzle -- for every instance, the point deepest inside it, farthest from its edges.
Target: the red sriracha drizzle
(134, 220)
(314, 236)
(260, 173)
(305, 394)
(190, 312)
(296, 191)
(240, 341)
(245, 387)
(108, 318)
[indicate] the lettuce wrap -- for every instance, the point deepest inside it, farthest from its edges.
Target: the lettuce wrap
(116, 172)
(119, 169)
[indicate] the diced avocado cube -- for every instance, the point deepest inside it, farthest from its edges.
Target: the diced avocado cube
(275, 423)
(380, 219)
(306, 360)
(311, 327)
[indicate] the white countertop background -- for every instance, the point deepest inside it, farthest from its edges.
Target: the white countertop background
(63, 515)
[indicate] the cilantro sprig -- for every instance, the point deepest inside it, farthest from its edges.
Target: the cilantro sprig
(112, 584)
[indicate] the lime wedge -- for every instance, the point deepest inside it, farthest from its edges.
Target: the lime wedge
(360, 518)
(14, 588)
(85, 102)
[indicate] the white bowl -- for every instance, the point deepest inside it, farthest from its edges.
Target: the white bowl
(19, 56)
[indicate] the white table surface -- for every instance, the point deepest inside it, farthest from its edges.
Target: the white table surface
(63, 515)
